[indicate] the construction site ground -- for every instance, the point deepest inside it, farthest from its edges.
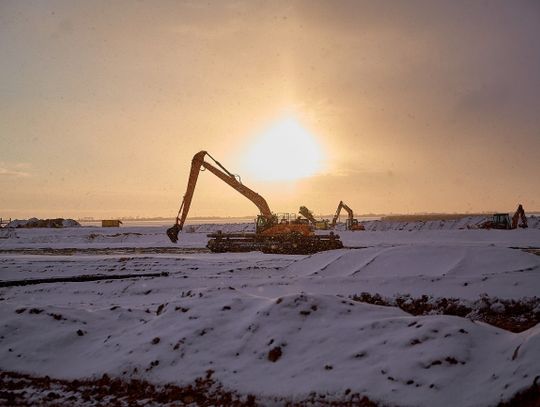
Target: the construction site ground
(409, 314)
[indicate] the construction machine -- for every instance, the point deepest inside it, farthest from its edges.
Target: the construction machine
(273, 234)
(351, 223)
(321, 224)
(502, 220)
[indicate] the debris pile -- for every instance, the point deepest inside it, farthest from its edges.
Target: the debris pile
(43, 223)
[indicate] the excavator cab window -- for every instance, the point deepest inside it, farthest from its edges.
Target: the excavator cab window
(261, 222)
(501, 220)
(264, 223)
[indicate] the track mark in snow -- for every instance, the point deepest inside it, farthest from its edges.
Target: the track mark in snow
(68, 251)
(78, 279)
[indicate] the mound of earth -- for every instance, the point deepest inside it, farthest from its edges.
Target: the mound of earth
(43, 223)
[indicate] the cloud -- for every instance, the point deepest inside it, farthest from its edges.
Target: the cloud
(16, 170)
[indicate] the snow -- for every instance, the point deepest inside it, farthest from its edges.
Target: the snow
(228, 312)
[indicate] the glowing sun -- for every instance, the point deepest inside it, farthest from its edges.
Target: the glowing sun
(285, 151)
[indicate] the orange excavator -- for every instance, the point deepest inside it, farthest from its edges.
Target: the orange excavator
(502, 220)
(351, 223)
(271, 234)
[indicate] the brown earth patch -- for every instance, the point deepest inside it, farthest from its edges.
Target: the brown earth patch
(511, 315)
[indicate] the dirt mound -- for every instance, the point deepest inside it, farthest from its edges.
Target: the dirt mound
(512, 315)
(20, 390)
(43, 223)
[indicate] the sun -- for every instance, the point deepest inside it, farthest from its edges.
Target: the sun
(284, 152)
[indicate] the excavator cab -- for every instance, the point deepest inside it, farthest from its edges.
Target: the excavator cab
(263, 223)
(501, 221)
(353, 225)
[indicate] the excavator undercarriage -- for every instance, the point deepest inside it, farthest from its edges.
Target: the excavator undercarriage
(272, 235)
(292, 243)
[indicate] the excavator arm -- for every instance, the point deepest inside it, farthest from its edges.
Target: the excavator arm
(306, 213)
(198, 163)
(519, 214)
(336, 216)
(341, 206)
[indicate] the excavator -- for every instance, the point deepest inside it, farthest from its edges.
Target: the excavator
(272, 234)
(351, 223)
(321, 224)
(502, 220)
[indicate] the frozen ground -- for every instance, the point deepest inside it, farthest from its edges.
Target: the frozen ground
(278, 327)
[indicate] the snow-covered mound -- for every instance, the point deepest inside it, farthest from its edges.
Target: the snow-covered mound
(305, 343)
(468, 222)
(274, 325)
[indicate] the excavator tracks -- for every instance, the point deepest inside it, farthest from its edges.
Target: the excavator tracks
(292, 243)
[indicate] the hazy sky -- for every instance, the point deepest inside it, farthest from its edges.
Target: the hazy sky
(416, 105)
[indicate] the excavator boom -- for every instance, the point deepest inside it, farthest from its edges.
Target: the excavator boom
(519, 214)
(341, 206)
(222, 173)
(318, 224)
(306, 213)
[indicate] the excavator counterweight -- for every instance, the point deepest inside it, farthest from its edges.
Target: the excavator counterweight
(271, 236)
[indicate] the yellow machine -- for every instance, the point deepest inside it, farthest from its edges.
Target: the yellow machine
(321, 224)
(351, 223)
(272, 235)
(502, 220)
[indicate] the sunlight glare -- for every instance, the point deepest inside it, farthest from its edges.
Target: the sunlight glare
(286, 151)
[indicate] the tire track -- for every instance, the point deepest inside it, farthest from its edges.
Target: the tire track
(77, 279)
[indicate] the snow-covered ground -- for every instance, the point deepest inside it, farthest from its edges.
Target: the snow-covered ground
(279, 327)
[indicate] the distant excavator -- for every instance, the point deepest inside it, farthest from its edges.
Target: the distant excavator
(351, 223)
(502, 220)
(272, 234)
(321, 224)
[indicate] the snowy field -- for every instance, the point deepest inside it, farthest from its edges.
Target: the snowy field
(78, 303)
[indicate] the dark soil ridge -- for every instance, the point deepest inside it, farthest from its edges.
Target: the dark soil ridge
(25, 390)
(511, 315)
(78, 279)
(69, 251)
(532, 250)
(18, 389)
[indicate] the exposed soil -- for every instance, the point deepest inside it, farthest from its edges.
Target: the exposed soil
(106, 250)
(78, 279)
(24, 390)
(511, 315)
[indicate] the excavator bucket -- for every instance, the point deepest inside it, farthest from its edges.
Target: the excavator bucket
(173, 233)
